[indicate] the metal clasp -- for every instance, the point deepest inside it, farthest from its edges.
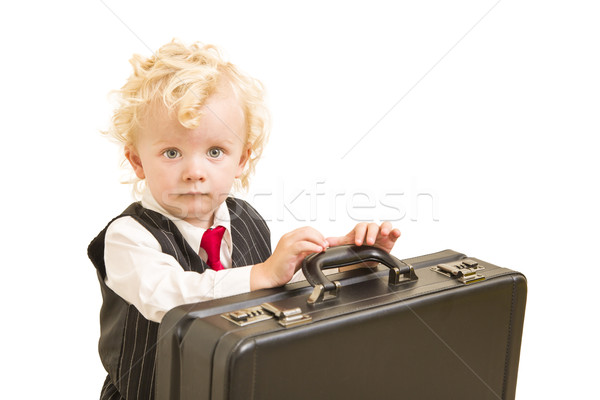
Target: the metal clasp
(285, 317)
(465, 271)
(247, 316)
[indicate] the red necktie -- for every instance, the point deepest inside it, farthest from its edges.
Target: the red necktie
(211, 243)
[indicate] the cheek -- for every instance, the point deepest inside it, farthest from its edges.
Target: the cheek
(237, 169)
(162, 176)
(240, 160)
(225, 175)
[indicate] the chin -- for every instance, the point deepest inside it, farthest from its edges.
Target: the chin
(199, 209)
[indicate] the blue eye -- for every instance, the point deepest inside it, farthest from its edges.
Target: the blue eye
(215, 152)
(171, 153)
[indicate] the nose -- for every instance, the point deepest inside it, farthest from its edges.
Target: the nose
(194, 170)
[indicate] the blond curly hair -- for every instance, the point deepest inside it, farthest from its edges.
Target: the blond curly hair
(184, 77)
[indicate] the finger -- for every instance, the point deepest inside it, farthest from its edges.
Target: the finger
(386, 228)
(359, 233)
(308, 247)
(387, 243)
(310, 234)
(372, 232)
(337, 241)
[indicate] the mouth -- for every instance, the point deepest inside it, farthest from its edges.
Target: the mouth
(195, 194)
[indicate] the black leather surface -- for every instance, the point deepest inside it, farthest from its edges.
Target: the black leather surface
(424, 348)
(431, 339)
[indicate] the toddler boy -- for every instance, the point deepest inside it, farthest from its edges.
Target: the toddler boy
(192, 126)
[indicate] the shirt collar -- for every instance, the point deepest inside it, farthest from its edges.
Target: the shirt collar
(192, 234)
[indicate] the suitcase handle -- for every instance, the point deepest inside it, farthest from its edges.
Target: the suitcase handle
(341, 256)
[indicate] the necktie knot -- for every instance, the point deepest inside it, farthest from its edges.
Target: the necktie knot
(211, 243)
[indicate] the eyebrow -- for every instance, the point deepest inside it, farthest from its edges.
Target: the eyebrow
(212, 141)
(218, 138)
(163, 142)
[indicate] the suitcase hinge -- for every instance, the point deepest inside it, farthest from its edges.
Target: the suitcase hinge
(320, 294)
(465, 271)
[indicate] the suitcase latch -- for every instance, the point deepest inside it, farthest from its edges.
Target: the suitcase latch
(266, 311)
(287, 316)
(465, 271)
(247, 316)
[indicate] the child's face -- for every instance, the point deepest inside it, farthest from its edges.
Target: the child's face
(190, 171)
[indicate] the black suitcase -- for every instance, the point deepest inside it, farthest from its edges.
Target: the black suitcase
(440, 326)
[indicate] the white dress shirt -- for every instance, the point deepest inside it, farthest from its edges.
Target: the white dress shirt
(139, 272)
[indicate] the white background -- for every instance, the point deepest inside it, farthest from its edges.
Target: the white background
(471, 133)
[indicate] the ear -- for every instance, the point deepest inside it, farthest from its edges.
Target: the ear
(136, 162)
(243, 161)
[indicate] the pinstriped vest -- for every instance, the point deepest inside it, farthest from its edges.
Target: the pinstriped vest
(127, 343)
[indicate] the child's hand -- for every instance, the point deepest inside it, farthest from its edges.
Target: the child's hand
(371, 234)
(287, 258)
